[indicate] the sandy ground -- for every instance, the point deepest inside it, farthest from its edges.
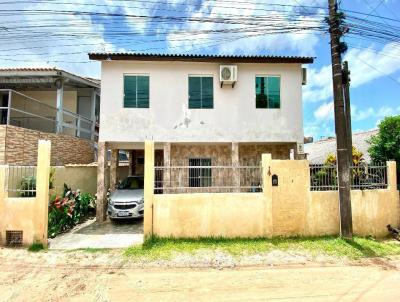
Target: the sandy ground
(108, 276)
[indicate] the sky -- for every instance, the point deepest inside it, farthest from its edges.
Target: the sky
(49, 33)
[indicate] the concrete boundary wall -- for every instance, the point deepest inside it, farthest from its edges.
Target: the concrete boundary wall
(289, 209)
(82, 177)
(29, 215)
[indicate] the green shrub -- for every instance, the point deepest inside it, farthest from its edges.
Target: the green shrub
(28, 184)
(68, 210)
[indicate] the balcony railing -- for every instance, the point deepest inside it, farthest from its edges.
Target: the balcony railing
(27, 112)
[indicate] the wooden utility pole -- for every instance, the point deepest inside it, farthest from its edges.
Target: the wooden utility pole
(343, 168)
(347, 109)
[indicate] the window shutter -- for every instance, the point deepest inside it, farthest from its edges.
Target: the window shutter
(142, 92)
(207, 100)
(274, 92)
(261, 92)
(194, 92)
(129, 91)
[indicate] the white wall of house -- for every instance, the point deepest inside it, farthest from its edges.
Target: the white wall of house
(234, 117)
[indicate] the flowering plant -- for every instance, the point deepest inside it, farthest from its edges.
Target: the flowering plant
(68, 210)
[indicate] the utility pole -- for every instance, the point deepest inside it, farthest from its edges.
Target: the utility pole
(347, 109)
(342, 158)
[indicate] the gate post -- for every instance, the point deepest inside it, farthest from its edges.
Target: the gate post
(102, 182)
(42, 190)
(148, 188)
(266, 162)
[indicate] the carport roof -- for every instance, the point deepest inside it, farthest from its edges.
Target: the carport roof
(14, 78)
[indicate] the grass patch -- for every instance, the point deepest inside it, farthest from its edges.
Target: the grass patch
(164, 248)
(36, 247)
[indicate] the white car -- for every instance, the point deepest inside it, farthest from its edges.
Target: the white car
(127, 201)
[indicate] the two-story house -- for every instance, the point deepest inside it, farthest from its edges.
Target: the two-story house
(202, 109)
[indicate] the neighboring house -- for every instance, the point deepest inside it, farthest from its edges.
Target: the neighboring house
(317, 152)
(47, 103)
(181, 103)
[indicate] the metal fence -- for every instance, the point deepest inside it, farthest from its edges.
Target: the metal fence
(362, 177)
(207, 179)
(20, 181)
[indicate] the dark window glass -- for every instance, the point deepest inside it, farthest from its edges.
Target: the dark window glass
(268, 93)
(136, 91)
(201, 176)
(201, 93)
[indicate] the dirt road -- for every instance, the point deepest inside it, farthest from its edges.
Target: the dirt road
(30, 279)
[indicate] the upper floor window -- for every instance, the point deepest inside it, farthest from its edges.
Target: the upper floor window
(136, 91)
(268, 92)
(201, 92)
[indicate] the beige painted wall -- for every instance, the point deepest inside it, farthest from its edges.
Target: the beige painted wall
(82, 177)
(290, 197)
(290, 209)
(372, 211)
(27, 214)
(210, 215)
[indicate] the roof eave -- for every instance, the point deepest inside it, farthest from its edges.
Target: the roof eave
(78, 79)
(209, 59)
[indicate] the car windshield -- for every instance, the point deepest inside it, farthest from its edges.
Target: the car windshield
(132, 183)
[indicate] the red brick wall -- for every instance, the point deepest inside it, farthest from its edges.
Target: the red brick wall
(20, 147)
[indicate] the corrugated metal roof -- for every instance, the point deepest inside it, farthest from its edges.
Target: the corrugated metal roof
(199, 57)
(31, 71)
(318, 151)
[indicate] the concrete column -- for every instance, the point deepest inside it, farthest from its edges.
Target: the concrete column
(60, 105)
(102, 163)
(148, 187)
(235, 164)
(93, 113)
(266, 162)
(167, 163)
(391, 175)
(114, 162)
(42, 191)
(299, 152)
(131, 161)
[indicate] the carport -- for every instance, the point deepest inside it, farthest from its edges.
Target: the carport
(108, 173)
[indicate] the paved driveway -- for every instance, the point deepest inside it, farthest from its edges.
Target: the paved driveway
(100, 235)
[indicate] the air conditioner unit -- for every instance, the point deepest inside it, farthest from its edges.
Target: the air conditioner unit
(304, 74)
(228, 74)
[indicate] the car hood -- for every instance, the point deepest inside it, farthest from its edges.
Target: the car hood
(126, 195)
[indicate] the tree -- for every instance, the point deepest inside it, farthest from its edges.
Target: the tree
(386, 144)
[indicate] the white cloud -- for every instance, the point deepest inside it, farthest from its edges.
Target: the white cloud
(365, 65)
(377, 113)
(325, 111)
(359, 115)
(301, 43)
(48, 50)
(319, 84)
